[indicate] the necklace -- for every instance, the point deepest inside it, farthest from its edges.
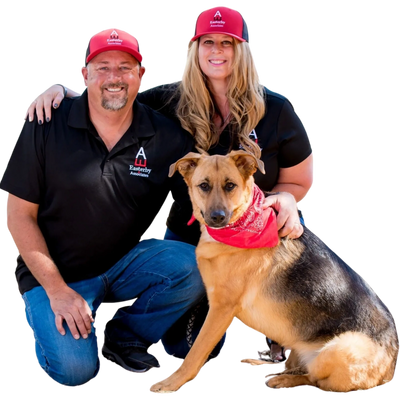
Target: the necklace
(225, 122)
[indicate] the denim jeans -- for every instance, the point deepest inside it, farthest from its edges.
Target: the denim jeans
(163, 277)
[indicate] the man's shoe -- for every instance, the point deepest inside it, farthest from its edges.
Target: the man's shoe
(135, 359)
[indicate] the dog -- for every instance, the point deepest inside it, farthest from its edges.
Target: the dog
(298, 292)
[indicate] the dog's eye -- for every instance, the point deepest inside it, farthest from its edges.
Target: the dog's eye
(230, 186)
(205, 187)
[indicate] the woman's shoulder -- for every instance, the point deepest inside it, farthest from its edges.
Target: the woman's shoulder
(164, 90)
(162, 98)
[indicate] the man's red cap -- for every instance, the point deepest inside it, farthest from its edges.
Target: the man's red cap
(112, 39)
(221, 20)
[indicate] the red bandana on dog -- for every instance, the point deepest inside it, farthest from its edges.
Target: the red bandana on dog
(254, 229)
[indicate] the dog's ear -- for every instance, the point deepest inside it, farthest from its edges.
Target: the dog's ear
(246, 163)
(185, 165)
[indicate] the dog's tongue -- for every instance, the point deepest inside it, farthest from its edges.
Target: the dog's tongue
(191, 220)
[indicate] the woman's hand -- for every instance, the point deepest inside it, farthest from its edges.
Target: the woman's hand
(288, 220)
(52, 97)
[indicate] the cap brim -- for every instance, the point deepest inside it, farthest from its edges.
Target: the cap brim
(132, 52)
(220, 33)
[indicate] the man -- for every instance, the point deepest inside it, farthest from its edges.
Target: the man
(82, 191)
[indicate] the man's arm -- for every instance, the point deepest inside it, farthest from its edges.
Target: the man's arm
(66, 304)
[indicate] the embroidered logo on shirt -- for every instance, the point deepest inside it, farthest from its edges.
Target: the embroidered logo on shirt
(140, 166)
(253, 136)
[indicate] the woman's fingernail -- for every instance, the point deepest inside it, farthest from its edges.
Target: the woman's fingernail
(40, 122)
(55, 105)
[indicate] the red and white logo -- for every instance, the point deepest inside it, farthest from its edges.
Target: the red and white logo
(114, 35)
(140, 165)
(114, 38)
(217, 16)
(141, 160)
(253, 136)
(217, 22)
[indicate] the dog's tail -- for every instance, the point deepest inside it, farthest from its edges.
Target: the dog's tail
(353, 361)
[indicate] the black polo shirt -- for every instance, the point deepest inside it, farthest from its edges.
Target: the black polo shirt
(94, 205)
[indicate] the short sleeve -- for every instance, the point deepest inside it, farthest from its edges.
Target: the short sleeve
(294, 145)
(24, 175)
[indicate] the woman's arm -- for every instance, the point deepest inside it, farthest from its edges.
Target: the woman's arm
(52, 97)
(292, 186)
(296, 180)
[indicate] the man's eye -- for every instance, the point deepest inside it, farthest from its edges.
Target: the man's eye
(230, 186)
(205, 187)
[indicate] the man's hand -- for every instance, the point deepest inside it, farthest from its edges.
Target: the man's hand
(71, 307)
(288, 220)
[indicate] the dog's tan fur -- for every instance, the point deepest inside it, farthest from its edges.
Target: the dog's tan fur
(248, 284)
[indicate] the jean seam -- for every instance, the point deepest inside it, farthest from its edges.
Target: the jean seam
(29, 312)
(166, 286)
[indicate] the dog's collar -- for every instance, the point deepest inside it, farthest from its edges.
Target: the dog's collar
(254, 229)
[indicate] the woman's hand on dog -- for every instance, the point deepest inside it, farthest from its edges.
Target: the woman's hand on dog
(288, 220)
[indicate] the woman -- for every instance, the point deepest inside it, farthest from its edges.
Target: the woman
(221, 103)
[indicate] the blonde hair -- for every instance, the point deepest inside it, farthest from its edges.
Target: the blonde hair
(196, 108)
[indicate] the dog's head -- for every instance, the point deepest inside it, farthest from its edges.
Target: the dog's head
(220, 187)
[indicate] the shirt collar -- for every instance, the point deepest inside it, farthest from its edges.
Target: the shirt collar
(141, 127)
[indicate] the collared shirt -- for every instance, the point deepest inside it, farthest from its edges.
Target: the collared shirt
(94, 205)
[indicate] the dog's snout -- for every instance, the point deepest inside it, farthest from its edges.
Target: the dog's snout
(218, 217)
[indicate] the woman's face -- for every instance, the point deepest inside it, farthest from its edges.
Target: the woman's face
(216, 55)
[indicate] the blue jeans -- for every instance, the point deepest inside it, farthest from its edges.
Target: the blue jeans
(163, 277)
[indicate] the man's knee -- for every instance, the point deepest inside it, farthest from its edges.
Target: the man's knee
(73, 371)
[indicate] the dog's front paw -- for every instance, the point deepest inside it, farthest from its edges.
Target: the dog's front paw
(170, 383)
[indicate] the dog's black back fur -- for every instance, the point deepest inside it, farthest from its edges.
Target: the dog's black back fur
(332, 298)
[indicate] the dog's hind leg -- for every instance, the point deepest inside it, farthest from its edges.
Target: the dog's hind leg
(217, 322)
(295, 373)
(351, 361)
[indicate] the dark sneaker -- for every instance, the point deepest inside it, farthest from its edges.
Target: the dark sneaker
(135, 359)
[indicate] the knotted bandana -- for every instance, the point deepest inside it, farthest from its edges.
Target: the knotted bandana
(254, 229)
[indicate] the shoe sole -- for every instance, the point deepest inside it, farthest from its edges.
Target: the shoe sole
(107, 353)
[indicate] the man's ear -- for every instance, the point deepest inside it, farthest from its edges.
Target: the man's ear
(185, 165)
(246, 163)
(82, 77)
(143, 71)
(85, 74)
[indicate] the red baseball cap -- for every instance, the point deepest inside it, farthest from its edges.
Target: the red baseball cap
(221, 20)
(112, 39)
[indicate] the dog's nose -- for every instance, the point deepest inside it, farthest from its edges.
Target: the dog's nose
(218, 217)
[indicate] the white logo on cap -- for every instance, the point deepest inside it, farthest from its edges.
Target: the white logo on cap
(217, 23)
(114, 38)
(114, 35)
(218, 16)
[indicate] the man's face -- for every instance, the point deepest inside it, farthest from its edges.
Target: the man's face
(113, 79)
